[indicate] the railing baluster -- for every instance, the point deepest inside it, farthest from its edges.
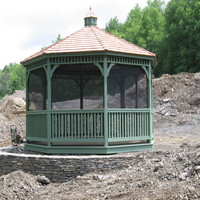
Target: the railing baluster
(85, 121)
(65, 127)
(140, 125)
(112, 125)
(81, 124)
(128, 125)
(71, 127)
(53, 126)
(102, 125)
(88, 124)
(120, 125)
(135, 125)
(75, 127)
(95, 127)
(62, 126)
(56, 126)
(78, 125)
(68, 125)
(117, 125)
(125, 125)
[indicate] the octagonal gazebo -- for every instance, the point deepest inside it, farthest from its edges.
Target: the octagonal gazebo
(90, 93)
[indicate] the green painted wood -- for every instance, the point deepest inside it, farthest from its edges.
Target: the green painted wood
(36, 125)
(80, 125)
(89, 149)
(132, 124)
(48, 103)
(128, 139)
(89, 57)
(37, 139)
(105, 73)
(150, 101)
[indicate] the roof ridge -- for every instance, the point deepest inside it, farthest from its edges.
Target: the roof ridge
(97, 36)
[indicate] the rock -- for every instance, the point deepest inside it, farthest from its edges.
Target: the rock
(43, 180)
(183, 176)
(158, 166)
(197, 168)
(19, 105)
(166, 100)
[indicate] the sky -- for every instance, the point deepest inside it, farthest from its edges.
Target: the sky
(28, 25)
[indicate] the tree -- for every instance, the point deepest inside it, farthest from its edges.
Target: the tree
(4, 84)
(115, 27)
(183, 36)
(57, 39)
(12, 77)
(143, 27)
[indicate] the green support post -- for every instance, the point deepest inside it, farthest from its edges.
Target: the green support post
(150, 101)
(105, 75)
(49, 103)
(27, 91)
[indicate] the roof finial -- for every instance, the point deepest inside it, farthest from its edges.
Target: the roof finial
(90, 18)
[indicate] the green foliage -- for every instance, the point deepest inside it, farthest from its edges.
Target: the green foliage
(114, 27)
(4, 84)
(143, 27)
(183, 35)
(172, 32)
(12, 77)
(57, 39)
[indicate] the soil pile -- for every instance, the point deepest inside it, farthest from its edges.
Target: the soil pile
(176, 96)
(12, 112)
(17, 185)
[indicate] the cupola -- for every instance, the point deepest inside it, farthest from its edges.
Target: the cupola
(90, 18)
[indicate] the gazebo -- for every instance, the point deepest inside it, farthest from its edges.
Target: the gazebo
(90, 93)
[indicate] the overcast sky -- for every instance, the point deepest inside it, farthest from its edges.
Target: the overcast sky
(28, 25)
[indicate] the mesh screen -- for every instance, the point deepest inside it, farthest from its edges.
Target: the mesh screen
(142, 91)
(93, 94)
(127, 87)
(65, 94)
(37, 87)
(77, 87)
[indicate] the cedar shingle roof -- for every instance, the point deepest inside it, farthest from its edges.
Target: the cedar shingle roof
(92, 39)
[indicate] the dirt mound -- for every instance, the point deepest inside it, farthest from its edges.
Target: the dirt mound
(17, 185)
(13, 106)
(12, 111)
(176, 97)
(180, 92)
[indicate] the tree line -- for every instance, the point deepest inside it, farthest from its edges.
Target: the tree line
(170, 31)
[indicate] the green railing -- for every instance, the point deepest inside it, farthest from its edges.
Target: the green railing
(77, 126)
(129, 125)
